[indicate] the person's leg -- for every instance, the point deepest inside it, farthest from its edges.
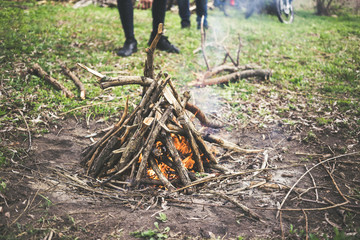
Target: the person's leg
(126, 12)
(158, 14)
(184, 12)
(201, 10)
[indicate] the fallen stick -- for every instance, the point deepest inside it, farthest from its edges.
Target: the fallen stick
(38, 71)
(125, 80)
(228, 145)
(233, 201)
(233, 77)
(327, 160)
(76, 80)
(99, 75)
(28, 129)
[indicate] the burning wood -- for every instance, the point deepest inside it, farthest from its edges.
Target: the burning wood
(141, 146)
(157, 143)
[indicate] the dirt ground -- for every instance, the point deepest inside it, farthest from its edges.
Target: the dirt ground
(44, 196)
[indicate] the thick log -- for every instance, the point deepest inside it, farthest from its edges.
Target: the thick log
(38, 71)
(233, 77)
(75, 79)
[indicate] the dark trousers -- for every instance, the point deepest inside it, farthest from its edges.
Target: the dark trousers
(126, 12)
(184, 11)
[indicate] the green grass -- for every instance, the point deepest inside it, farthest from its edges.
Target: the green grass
(315, 58)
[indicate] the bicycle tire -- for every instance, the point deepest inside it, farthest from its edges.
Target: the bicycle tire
(284, 15)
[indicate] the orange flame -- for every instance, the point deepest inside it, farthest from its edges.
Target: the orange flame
(183, 147)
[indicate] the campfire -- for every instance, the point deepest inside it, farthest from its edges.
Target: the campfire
(157, 143)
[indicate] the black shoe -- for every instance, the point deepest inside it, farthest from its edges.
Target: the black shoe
(129, 48)
(164, 45)
(185, 24)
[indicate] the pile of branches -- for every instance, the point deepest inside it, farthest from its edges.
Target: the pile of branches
(128, 150)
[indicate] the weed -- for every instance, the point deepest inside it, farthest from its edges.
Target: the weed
(47, 203)
(2, 185)
(162, 217)
(153, 234)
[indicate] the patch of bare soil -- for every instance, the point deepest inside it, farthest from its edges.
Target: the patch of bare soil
(49, 197)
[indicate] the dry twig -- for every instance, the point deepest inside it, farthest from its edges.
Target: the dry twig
(324, 161)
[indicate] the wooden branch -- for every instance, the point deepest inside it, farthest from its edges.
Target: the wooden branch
(96, 148)
(125, 80)
(324, 161)
(75, 79)
(178, 164)
(149, 62)
(219, 69)
(150, 145)
(228, 54)
(104, 155)
(203, 38)
(97, 74)
(132, 146)
(161, 176)
(38, 71)
(192, 141)
(233, 201)
(205, 121)
(238, 51)
(189, 128)
(202, 145)
(233, 77)
(228, 145)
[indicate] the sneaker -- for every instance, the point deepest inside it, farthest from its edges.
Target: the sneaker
(129, 48)
(165, 45)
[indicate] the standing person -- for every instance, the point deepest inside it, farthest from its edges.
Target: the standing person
(126, 12)
(184, 12)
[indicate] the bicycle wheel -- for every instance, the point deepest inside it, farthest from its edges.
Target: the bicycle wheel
(285, 11)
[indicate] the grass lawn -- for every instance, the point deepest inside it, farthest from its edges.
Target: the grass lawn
(313, 56)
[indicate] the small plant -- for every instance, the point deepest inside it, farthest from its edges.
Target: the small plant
(153, 234)
(2, 185)
(162, 217)
(47, 203)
